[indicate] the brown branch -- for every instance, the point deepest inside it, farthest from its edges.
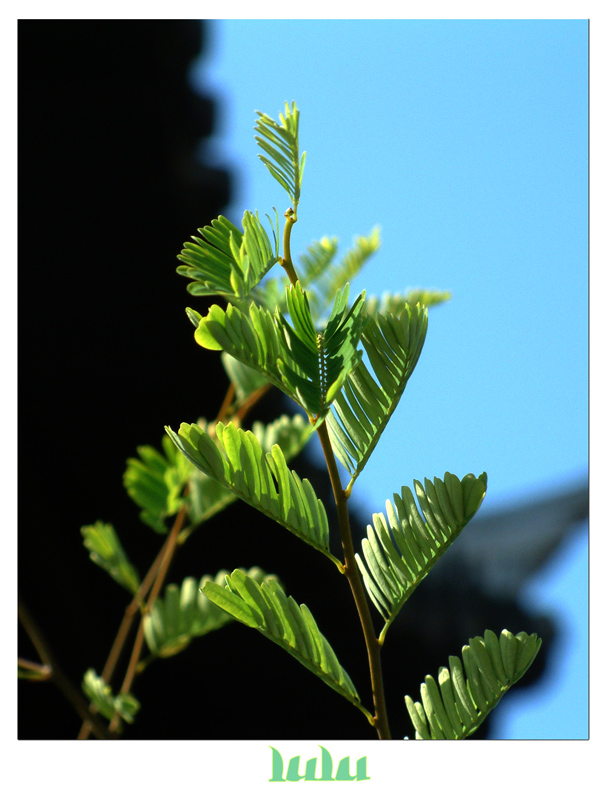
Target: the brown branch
(58, 677)
(127, 621)
(373, 646)
(165, 561)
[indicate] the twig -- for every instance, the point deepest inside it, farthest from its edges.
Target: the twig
(165, 561)
(58, 677)
(127, 621)
(373, 647)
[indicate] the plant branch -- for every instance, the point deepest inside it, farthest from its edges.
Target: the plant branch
(164, 563)
(127, 621)
(33, 671)
(286, 261)
(373, 646)
(138, 601)
(57, 676)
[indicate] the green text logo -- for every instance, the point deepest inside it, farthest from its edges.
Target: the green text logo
(293, 774)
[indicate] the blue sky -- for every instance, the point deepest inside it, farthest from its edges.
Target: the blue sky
(466, 141)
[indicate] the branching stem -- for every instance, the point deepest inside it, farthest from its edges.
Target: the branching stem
(165, 561)
(161, 562)
(286, 261)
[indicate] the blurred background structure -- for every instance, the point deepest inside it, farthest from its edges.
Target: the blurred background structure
(467, 142)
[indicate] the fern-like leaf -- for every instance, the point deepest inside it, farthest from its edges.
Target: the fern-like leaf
(185, 613)
(280, 145)
(308, 365)
(155, 482)
(207, 496)
(261, 479)
(400, 551)
(322, 359)
(455, 705)
(320, 275)
(266, 607)
(106, 551)
(364, 405)
(99, 693)
(251, 337)
(228, 261)
(396, 303)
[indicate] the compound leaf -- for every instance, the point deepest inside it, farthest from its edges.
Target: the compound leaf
(307, 365)
(400, 550)
(322, 359)
(155, 482)
(365, 404)
(266, 607)
(99, 693)
(262, 479)
(280, 145)
(228, 261)
(463, 696)
(105, 550)
(396, 303)
(185, 613)
(208, 496)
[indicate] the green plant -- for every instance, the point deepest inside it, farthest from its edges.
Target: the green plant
(346, 364)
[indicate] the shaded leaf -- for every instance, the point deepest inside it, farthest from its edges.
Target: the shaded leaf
(185, 613)
(99, 693)
(266, 607)
(155, 482)
(105, 550)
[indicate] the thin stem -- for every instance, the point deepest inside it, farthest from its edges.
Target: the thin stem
(155, 590)
(228, 400)
(36, 672)
(373, 647)
(286, 261)
(58, 677)
(127, 621)
(138, 600)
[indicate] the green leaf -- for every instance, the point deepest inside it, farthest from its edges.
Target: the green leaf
(261, 479)
(155, 482)
(250, 337)
(455, 706)
(323, 359)
(322, 277)
(400, 550)
(396, 303)
(99, 693)
(364, 405)
(266, 607)
(227, 261)
(280, 145)
(308, 365)
(207, 496)
(105, 550)
(246, 381)
(185, 613)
